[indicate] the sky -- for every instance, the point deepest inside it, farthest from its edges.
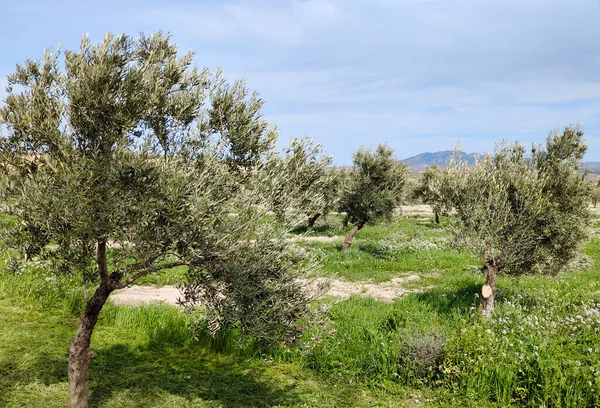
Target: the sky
(420, 75)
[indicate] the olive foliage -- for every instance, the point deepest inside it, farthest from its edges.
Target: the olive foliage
(373, 188)
(433, 190)
(129, 160)
(528, 213)
(300, 189)
(523, 213)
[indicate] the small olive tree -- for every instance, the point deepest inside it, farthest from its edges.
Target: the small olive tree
(303, 180)
(594, 186)
(373, 188)
(123, 144)
(522, 214)
(433, 190)
(331, 192)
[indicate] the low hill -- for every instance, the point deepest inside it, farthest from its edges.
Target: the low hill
(419, 162)
(593, 167)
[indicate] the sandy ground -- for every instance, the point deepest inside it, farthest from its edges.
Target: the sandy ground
(136, 295)
(422, 209)
(385, 291)
(339, 239)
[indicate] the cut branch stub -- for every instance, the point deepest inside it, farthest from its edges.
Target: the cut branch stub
(486, 291)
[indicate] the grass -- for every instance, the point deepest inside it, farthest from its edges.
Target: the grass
(381, 252)
(541, 349)
(147, 358)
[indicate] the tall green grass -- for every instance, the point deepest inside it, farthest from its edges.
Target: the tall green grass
(542, 348)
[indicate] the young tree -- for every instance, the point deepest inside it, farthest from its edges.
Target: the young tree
(523, 214)
(432, 189)
(303, 181)
(331, 191)
(374, 188)
(594, 186)
(106, 147)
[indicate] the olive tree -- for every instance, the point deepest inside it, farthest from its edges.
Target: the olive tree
(331, 192)
(433, 190)
(303, 181)
(594, 186)
(523, 214)
(123, 144)
(373, 188)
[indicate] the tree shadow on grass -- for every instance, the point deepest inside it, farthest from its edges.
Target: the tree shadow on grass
(373, 249)
(319, 230)
(142, 373)
(451, 302)
(190, 372)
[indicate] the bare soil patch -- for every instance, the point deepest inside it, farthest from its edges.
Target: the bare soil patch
(421, 209)
(318, 239)
(385, 291)
(138, 295)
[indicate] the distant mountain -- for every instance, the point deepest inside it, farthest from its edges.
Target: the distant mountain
(593, 167)
(419, 162)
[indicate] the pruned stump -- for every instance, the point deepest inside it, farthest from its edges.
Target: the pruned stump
(487, 301)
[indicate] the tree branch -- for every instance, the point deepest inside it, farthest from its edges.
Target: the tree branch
(144, 264)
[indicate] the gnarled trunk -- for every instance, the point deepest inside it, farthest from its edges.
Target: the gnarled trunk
(437, 218)
(488, 291)
(350, 237)
(313, 219)
(80, 355)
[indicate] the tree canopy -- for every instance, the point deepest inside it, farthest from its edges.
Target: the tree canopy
(302, 180)
(130, 160)
(374, 188)
(523, 213)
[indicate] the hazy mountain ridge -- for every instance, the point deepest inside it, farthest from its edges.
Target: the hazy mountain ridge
(419, 162)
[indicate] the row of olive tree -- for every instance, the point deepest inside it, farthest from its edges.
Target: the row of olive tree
(123, 143)
(367, 193)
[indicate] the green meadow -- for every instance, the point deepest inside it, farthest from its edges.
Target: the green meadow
(427, 348)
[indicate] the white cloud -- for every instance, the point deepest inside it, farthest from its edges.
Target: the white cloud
(279, 23)
(420, 73)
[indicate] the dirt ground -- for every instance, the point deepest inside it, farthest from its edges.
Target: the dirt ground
(385, 291)
(421, 209)
(136, 295)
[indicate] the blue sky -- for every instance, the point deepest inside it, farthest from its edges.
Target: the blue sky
(419, 74)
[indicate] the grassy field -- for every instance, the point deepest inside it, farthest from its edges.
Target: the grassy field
(428, 348)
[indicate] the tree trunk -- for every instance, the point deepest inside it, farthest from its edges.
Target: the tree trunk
(350, 237)
(312, 220)
(488, 291)
(437, 218)
(80, 355)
